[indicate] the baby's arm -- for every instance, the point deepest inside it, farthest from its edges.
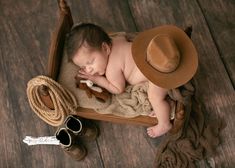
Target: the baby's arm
(114, 83)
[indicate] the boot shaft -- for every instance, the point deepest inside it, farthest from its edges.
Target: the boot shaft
(71, 144)
(64, 137)
(81, 127)
(73, 124)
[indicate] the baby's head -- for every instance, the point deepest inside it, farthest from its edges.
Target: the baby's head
(88, 46)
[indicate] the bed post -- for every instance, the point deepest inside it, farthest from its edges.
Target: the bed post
(57, 47)
(58, 38)
(64, 8)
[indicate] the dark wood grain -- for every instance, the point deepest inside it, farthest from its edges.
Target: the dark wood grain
(111, 15)
(26, 28)
(25, 31)
(220, 16)
(212, 82)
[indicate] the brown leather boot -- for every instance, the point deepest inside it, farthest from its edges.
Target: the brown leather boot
(71, 144)
(81, 127)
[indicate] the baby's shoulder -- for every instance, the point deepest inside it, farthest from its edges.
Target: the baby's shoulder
(129, 36)
(120, 45)
(117, 56)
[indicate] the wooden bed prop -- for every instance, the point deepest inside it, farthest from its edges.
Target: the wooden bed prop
(55, 56)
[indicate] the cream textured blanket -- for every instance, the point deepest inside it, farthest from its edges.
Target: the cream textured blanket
(133, 102)
(196, 140)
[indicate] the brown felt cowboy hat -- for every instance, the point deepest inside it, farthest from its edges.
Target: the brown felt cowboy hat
(166, 56)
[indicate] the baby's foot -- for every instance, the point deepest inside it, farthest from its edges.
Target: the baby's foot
(158, 130)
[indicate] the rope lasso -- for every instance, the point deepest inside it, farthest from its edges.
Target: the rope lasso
(64, 101)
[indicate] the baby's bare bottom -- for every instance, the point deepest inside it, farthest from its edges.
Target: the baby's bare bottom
(161, 110)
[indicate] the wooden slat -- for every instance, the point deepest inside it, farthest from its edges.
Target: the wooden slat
(24, 39)
(111, 15)
(212, 83)
(21, 42)
(220, 17)
(140, 120)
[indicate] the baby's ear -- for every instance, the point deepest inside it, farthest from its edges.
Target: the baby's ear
(106, 48)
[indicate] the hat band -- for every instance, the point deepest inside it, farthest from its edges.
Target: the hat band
(155, 68)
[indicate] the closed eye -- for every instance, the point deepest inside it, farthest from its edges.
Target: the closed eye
(91, 62)
(82, 67)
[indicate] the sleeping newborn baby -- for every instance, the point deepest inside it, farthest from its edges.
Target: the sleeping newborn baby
(111, 62)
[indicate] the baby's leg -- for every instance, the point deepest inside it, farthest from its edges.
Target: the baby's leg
(161, 108)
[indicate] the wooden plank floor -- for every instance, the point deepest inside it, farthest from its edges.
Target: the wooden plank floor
(25, 31)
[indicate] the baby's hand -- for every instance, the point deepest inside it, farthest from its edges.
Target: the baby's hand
(85, 75)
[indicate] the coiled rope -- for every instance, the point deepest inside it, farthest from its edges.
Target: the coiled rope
(63, 100)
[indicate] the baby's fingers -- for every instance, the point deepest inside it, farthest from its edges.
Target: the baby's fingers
(81, 71)
(82, 76)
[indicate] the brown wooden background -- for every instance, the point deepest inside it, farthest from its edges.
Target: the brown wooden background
(25, 31)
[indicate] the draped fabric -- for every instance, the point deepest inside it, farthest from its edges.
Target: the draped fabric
(198, 138)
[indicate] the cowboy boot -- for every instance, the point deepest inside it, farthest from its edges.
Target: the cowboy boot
(81, 127)
(71, 144)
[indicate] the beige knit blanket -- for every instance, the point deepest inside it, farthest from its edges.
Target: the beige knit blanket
(133, 102)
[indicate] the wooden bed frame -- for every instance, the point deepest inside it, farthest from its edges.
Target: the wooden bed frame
(55, 56)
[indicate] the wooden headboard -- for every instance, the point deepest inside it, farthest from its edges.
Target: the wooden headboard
(58, 39)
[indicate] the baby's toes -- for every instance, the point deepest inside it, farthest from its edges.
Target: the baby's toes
(150, 132)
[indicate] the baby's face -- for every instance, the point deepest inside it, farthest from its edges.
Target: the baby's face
(92, 61)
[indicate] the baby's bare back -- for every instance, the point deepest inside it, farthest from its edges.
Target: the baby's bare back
(121, 58)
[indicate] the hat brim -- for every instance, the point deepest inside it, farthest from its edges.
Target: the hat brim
(188, 57)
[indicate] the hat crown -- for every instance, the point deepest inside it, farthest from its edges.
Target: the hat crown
(163, 54)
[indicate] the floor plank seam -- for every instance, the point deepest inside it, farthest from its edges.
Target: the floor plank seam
(132, 17)
(216, 45)
(101, 158)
